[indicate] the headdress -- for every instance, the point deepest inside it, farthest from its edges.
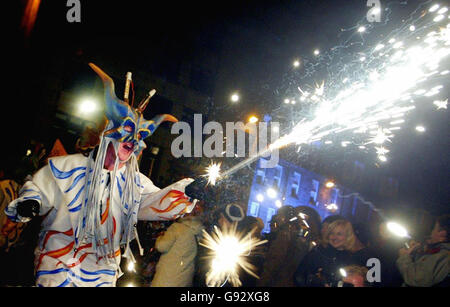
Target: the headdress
(127, 124)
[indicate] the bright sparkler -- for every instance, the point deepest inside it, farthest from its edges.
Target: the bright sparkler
(228, 252)
(441, 104)
(381, 151)
(213, 173)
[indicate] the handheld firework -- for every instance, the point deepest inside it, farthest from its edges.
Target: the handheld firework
(229, 251)
(399, 231)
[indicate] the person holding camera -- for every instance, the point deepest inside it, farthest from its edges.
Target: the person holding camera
(429, 266)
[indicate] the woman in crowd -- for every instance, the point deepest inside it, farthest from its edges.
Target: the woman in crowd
(320, 267)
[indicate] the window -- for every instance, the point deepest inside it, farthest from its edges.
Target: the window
(270, 213)
(315, 190)
(254, 209)
(277, 176)
(295, 184)
(260, 175)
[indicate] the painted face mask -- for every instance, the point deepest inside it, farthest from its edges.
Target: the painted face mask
(127, 124)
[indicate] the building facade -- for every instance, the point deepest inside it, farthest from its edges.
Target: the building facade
(290, 184)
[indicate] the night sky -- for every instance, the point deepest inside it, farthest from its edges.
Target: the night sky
(130, 29)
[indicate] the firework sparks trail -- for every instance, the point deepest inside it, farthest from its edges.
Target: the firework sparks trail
(387, 86)
(228, 253)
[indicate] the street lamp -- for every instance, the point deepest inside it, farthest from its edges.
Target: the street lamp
(271, 193)
(235, 97)
(329, 184)
(259, 197)
(253, 119)
(87, 106)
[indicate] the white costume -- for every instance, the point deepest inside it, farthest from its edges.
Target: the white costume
(92, 212)
(59, 188)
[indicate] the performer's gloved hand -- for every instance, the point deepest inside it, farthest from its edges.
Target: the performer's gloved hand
(199, 189)
(28, 208)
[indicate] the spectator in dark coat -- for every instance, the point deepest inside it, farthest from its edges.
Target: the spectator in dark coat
(287, 248)
(320, 268)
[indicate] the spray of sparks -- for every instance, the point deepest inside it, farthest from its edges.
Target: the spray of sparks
(373, 96)
(374, 99)
(213, 173)
(228, 254)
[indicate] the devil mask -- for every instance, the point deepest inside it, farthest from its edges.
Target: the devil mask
(127, 124)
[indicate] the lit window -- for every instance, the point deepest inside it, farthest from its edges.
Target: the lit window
(254, 209)
(260, 175)
(277, 176)
(315, 190)
(295, 184)
(270, 214)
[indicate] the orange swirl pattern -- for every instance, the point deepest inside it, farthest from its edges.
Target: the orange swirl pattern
(180, 198)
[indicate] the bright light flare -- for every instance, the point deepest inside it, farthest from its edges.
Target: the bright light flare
(382, 158)
(228, 251)
(235, 97)
(441, 104)
(397, 229)
(332, 207)
(420, 128)
(259, 197)
(433, 8)
(88, 106)
(329, 184)
(131, 266)
(252, 119)
(213, 173)
(271, 193)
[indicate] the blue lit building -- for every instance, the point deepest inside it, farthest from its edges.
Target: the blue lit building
(289, 184)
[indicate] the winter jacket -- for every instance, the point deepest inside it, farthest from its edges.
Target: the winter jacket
(426, 269)
(320, 266)
(285, 252)
(178, 248)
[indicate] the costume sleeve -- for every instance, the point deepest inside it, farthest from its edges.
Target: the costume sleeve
(42, 188)
(165, 241)
(428, 270)
(164, 204)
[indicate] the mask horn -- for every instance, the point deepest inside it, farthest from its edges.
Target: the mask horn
(158, 119)
(114, 106)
